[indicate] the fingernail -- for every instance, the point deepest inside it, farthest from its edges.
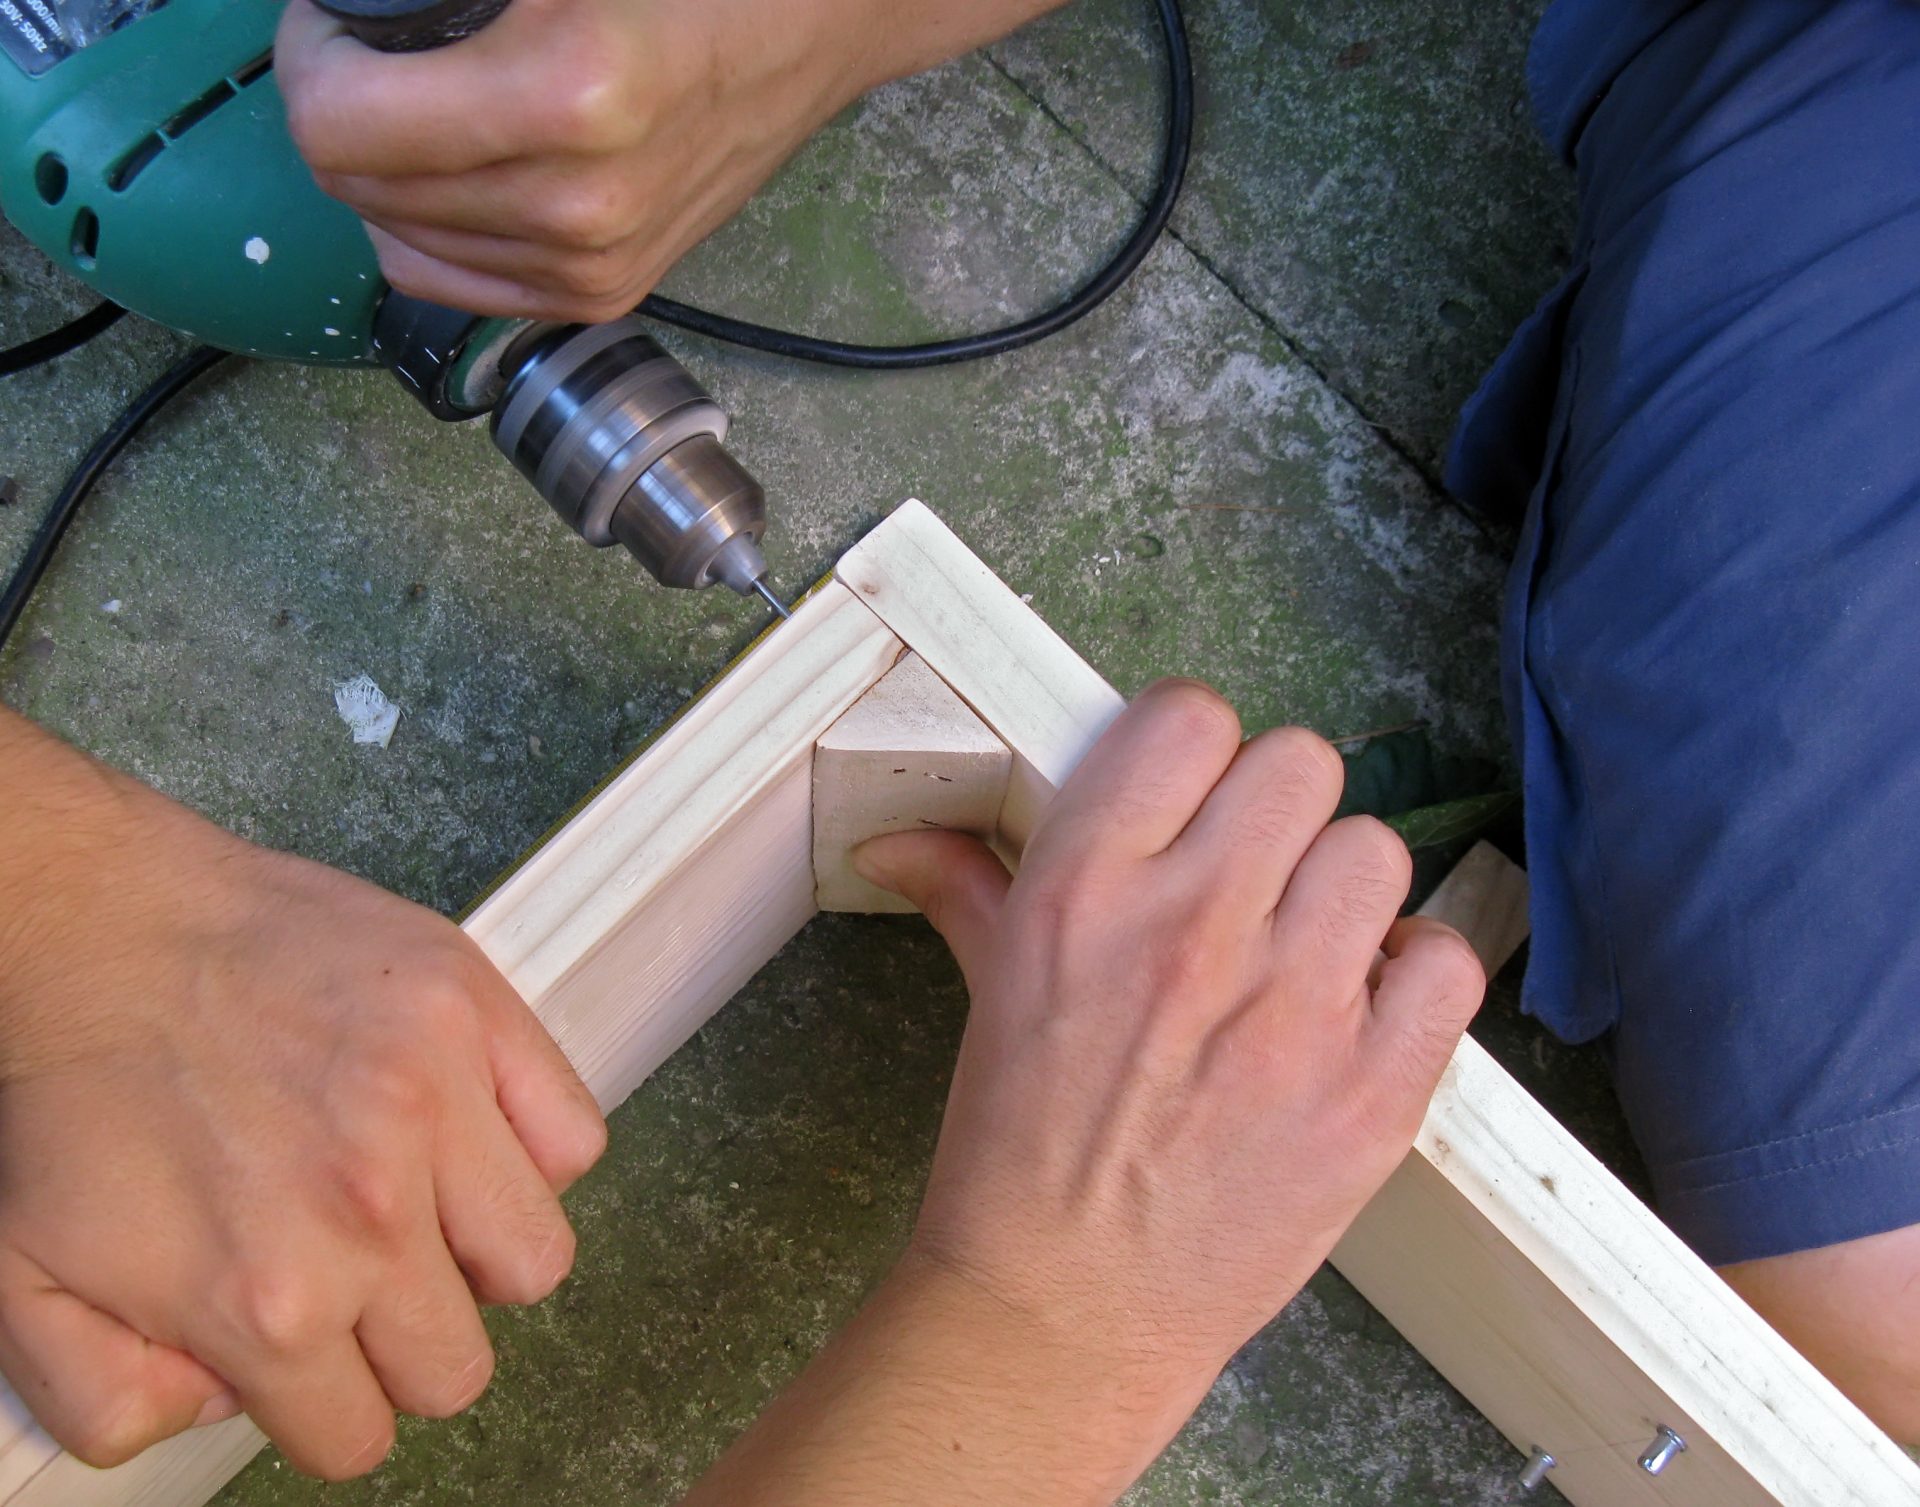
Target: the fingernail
(555, 1262)
(370, 1454)
(216, 1409)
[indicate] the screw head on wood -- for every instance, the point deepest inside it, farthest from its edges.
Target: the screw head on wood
(1537, 1466)
(1658, 1455)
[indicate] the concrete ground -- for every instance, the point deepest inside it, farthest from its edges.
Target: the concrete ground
(1229, 471)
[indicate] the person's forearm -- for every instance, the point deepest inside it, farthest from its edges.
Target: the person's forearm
(938, 1391)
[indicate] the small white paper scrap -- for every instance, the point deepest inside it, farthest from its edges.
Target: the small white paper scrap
(364, 707)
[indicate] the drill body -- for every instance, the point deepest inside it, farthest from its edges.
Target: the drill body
(144, 148)
(154, 163)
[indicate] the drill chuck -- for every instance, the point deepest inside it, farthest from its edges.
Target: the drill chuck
(629, 449)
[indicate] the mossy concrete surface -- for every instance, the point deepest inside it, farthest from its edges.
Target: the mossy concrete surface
(1226, 472)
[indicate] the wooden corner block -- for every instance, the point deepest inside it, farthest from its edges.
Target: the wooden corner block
(909, 754)
(1485, 900)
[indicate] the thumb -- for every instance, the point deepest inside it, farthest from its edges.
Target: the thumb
(103, 1391)
(1429, 985)
(954, 880)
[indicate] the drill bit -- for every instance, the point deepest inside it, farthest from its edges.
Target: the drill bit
(767, 596)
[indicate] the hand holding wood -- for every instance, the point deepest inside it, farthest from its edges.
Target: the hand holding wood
(268, 1135)
(1200, 1040)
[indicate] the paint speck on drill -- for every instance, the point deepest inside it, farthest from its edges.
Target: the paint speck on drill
(330, 330)
(257, 251)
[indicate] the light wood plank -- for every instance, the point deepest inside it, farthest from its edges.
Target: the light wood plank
(908, 754)
(1570, 1315)
(1484, 898)
(184, 1471)
(1508, 1255)
(580, 887)
(25, 1448)
(1042, 699)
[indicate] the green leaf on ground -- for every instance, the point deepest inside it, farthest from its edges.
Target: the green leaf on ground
(1451, 821)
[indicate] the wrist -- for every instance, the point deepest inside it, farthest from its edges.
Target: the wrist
(942, 1389)
(77, 881)
(1083, 1406)
(1078, 1342)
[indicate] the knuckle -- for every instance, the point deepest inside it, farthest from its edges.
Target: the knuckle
(592, 276)
(1196, 710)
(391, 1089)
(441, 998)
(306, 124)
(277, 1309)
(591, 1146)
(536, 1257)
(534, 1279)
(1458, 966)
(588, 109)
(1357, 899)
(585, 217)
(319, 131)
(1381, 853)
(1307, 758)
(363, 1459)
(410, 275)
(1358, 907)
(1290, 808)
(555, 1265)
(602, 310)
(1427, 1043)
(372, 1192)
(576, 309)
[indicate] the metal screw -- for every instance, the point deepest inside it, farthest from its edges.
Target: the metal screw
(1658, 1455)
(1538, 1464)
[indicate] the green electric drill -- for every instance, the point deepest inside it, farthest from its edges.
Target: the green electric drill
(144, 147)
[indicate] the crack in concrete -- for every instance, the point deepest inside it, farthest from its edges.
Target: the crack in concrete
(1290, 342)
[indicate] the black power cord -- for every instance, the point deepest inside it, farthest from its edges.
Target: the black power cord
(119, 434)
(44, 348)
(1177, 148)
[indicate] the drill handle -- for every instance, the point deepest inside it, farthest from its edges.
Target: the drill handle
(412, 25)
